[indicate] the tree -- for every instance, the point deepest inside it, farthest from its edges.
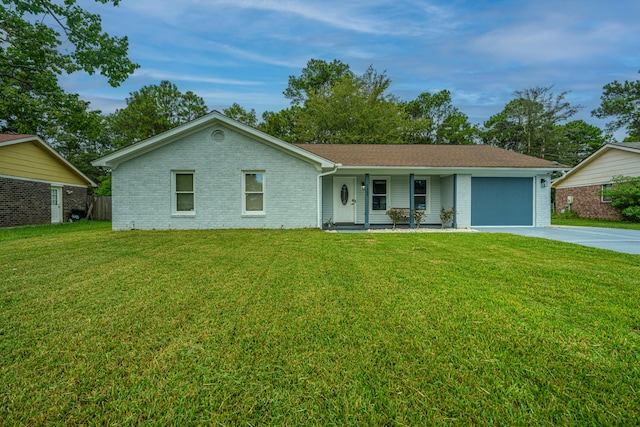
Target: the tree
(504, 129)
(625, 197)
(33, 53)
(152, 110)
(282, 124)
(352, 110)
(580, 140)
(82, 139)
(238, 113)
(529, 123)
(442, 122)
(621, 101)
(317, 77)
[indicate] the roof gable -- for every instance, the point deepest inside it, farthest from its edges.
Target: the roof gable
(427, 155)
(608, 153)
(114, 159)
(28, 156)
(326, 156)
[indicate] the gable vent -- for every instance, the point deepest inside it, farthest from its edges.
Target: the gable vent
(217, 135)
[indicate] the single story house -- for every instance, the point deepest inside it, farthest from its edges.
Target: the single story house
(215, 172)
(580, 189)
(37, 184)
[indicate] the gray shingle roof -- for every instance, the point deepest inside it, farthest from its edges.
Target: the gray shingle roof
(634, 145)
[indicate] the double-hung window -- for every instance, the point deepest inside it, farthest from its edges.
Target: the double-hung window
(183, 194)
(253, 183)
(420, 189)
(379, 194)
(604, 198)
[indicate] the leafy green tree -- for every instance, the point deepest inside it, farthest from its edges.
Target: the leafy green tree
(505, 129)
(104, 186)
(625, 197)
(82, 140)
(621, 101)
(442, 123)
(352, 110)
(152, 110)
(317, 77)
(529, 123)
(281, 124)
(41, 40)
(238, 113)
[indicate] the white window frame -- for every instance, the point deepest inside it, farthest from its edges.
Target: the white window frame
(427, 208)
(604, 187)
(174, 193)
(387, 194)
(245, 212)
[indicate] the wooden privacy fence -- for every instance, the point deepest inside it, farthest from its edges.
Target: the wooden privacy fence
(99, 208)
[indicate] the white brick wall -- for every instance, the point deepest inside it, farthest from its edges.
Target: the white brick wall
(542, 201)
(463, 201)
(142, 186)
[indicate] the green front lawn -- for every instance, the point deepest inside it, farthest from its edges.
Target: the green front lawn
(304, 327)
(588, 222)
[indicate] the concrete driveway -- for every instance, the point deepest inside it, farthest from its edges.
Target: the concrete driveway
(614, 239)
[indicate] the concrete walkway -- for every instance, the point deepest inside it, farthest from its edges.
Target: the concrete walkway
(614, 239)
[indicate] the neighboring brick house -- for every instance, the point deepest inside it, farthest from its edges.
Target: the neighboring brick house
(215, 172)
(37, 185)
(580, 189)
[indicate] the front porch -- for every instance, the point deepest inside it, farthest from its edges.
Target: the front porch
(356, 202)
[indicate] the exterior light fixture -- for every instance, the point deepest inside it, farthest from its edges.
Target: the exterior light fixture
(362, 185)
(543, 183)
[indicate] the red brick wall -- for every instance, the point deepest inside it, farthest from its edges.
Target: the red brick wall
(29, 203)
(586, 202)
(73, 198)
(24, 202)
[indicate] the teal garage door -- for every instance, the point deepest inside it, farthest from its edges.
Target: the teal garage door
(501, 201)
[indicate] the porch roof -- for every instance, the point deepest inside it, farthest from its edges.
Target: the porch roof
(426, 155)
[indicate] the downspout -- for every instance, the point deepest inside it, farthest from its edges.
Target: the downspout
(564, 173)
(319, 191)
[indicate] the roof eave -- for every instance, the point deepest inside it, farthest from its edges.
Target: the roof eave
(462, 168)
(41, 143)
(114, 159)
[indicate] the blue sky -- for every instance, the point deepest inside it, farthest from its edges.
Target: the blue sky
(482, 51)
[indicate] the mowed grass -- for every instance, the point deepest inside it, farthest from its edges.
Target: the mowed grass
(591, 222)
(304, 327)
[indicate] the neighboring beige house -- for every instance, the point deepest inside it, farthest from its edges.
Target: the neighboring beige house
(37, 185)
(580, 189)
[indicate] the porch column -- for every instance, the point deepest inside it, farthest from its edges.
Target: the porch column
(366, 201)
(412, 202)
(454, 224)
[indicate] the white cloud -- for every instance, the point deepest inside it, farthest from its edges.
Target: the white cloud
(164, 75)
(373, 17)
(545, 42)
